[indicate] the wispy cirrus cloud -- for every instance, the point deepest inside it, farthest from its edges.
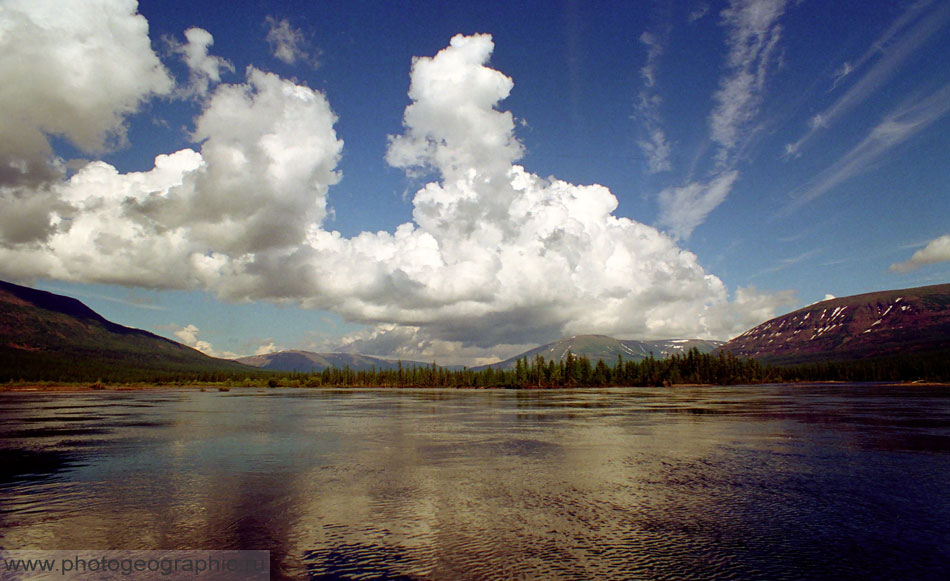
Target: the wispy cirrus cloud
(897, 127)
(653, 144)
(882, 42)
(753, 32)
(888, 53)
(684, 208)
(698, 11)
(788, 262)
(843, 71)
(132, 300)
(288, 44)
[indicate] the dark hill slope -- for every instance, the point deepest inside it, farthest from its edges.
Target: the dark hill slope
(881, 324)
(49, 337)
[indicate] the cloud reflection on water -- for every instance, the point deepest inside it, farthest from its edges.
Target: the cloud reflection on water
(612, 483)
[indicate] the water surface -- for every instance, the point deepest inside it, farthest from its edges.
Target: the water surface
(765, 482)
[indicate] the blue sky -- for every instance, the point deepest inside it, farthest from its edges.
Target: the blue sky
(459, 181)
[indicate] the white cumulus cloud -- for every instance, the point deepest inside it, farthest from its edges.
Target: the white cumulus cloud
(204, 69)
(495, 257)
(937, 250)
(266, 348)
(211, 219)
(75, 70)
(189, 336)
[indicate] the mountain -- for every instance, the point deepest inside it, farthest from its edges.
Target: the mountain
(880, 324)
(308, 361)
(596, 347)
(50, 337)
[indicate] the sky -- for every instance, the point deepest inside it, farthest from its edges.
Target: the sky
(459, 182)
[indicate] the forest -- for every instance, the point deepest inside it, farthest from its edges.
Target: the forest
(692, 367)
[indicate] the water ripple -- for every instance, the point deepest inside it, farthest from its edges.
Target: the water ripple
(765, 482)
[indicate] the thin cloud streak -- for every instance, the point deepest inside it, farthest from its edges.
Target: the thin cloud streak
(893, 56)
(881, 43)
(132, 302)
(698, 12)
(893, 130)
(787, 262)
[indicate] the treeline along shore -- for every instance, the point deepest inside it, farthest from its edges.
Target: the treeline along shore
(692, 367)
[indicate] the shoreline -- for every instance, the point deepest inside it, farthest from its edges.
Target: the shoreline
(39, 387)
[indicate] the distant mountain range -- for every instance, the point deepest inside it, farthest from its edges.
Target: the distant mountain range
(49, 337)
(596, 347)
(593, 347)
(45, 336)
(880, 324)
(308, 361)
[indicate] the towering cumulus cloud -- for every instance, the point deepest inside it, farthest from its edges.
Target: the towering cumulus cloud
(514, 257)
(494, 255)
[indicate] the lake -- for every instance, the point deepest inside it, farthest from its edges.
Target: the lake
(767, 482)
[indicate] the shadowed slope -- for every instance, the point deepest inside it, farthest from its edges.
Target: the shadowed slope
(45, 336)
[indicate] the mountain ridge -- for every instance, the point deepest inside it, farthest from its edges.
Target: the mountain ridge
(309, 361)
(863, 326)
